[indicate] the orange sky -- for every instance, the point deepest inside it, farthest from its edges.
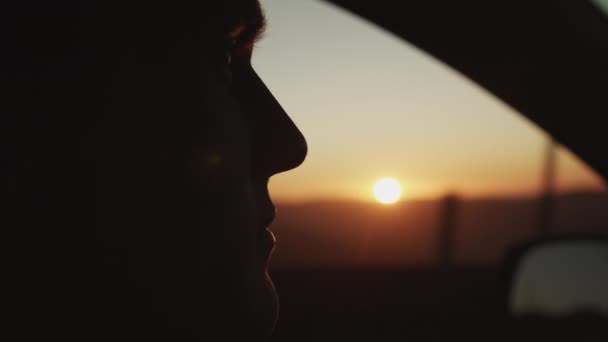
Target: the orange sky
(372, 106)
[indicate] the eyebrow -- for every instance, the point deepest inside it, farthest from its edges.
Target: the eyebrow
(249, 30)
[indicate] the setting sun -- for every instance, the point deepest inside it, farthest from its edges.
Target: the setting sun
(387, 191)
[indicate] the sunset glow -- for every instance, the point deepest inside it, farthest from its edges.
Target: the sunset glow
(371, 105)
(387, 191)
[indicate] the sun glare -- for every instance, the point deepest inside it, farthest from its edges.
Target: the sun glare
(387, 191)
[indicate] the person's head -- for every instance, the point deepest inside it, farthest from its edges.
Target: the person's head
(183, 137)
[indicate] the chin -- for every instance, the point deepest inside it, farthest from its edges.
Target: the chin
(252, 318)
(268, 311)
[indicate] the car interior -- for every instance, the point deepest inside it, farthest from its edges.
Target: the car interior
(450, 262)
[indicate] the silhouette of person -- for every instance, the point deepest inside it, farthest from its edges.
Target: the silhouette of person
(147, 125)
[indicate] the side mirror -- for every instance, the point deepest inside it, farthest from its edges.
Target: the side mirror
(560, 288)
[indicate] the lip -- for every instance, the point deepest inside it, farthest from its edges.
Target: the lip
(267, 242)
(270, 217)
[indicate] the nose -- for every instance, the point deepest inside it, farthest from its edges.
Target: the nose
(277, 145)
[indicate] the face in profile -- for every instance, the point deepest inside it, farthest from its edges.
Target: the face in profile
(187, 142)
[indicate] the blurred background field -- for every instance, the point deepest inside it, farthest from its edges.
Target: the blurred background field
(357, 271)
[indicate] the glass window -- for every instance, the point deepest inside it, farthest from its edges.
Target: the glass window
(602, 5)
(373, 106)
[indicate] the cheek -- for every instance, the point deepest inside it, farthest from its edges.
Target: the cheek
(221, 161)
(218, 189)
